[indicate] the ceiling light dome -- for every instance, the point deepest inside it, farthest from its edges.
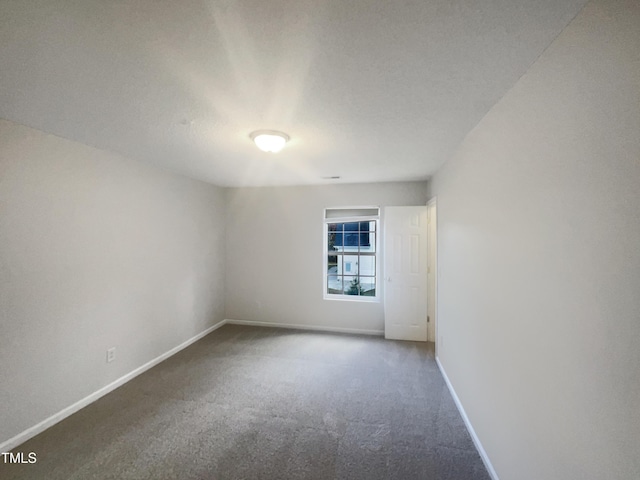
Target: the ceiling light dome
(269, 140)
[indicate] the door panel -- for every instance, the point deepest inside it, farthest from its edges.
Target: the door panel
(405, 273)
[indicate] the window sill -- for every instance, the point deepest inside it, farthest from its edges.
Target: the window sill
(352, 298)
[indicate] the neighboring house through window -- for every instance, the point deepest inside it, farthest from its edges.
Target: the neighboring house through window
(350, 253)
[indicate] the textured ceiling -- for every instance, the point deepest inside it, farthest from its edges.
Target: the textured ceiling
(370, 90)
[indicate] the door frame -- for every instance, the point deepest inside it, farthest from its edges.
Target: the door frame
(432, 203)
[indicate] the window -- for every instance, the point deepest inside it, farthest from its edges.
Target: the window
(350, 253)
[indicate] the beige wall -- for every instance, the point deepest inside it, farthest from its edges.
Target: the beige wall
(274, 253)
(539, 260)
(95, 252)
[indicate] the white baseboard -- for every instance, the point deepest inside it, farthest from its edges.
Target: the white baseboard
(304, 327)
(70, 410)
(472, 432)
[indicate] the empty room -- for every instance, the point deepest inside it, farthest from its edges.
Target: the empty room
(320, 239)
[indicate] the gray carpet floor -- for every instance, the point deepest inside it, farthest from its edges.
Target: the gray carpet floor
(262, 403)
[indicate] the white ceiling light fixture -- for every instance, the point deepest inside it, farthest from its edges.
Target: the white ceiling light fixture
(269, 140)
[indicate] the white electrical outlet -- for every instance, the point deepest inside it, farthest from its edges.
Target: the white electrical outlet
(111, 354)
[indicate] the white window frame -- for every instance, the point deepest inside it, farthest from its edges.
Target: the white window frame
(347, 218)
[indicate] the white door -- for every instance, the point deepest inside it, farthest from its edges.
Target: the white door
(405, 273)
